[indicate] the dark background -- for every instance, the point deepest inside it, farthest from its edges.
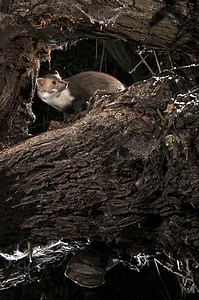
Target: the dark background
(121, 283)
(113, 57)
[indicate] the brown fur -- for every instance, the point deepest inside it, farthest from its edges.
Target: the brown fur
(73, 93)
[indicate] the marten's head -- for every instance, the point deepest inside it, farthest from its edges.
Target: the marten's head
(51, 83)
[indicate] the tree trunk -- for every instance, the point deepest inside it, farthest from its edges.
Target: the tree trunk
(121, 175)
(29, 30)
(126, 174)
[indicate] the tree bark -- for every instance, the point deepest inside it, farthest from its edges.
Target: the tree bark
(122, 174)
(127, 172)
(171, 25)
(29, 30)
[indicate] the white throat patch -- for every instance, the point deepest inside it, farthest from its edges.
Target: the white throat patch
(59, 100)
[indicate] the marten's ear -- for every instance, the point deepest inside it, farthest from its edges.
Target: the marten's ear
(40, 82)
(57, 75)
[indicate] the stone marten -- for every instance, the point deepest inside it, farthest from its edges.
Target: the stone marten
(72, 95)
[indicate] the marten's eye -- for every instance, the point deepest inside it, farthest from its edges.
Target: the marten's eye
(53, 82)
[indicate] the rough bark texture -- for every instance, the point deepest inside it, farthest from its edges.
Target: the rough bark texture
(29, 29)
(109, 176)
